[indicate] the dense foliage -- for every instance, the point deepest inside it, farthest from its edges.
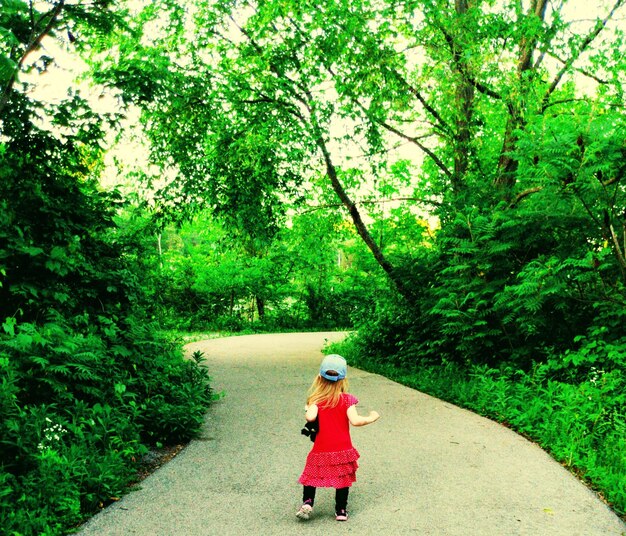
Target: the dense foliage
(86, 383)
(500, 123)
(446, 176)
(521, 170)
(308, 277)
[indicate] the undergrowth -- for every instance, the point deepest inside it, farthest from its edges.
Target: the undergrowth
(80, 410)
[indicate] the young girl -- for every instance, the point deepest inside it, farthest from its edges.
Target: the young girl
(332, 463)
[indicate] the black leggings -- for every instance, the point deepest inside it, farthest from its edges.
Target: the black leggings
(341, 497)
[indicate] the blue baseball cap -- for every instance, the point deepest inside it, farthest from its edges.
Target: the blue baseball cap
(333, 368)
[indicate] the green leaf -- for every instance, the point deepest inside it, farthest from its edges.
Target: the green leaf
(23, 341)
(33, 251)
(120, 350)
(8, 68)
(9, 325)
(58, 253)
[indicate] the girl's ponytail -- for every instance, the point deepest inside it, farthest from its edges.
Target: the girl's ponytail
(326, 392)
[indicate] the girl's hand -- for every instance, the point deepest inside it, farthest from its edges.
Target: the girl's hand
(359, 420)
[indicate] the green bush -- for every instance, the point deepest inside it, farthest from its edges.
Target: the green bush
(81, 364)
(79, 411)
(173, 411)
(87, 384)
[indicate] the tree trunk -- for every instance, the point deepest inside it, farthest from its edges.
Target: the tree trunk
(160, 250)
(389, 269)
(507, 164)
(464, 99)
(260, 307)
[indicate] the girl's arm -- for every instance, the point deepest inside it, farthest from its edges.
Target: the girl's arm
(311, 412)
(357, 420)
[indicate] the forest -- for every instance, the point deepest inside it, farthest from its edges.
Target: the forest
(445, 179)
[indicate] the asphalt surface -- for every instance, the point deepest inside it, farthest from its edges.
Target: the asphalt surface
(426, 467)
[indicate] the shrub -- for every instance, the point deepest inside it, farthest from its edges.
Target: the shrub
(79, 411)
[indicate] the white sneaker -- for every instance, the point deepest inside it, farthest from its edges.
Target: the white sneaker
(305, 512)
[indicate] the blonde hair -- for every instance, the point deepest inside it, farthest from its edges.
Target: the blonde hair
(323, 391)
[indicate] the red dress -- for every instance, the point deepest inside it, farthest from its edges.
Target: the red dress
(332, 463)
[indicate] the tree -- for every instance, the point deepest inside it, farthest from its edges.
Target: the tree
(54, 218)
(258, 93)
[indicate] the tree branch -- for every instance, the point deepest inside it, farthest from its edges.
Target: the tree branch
(612, 180)
(580, 70)
(536, 189)
(524, 194)
(416, 93)
(415, 141)
(563, 101)
(618, 250)
(33, 43)
(284, 104)
(552, 32)
(586, 42)
(372, 202)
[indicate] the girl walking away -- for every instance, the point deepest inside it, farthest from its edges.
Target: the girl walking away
(332, 463)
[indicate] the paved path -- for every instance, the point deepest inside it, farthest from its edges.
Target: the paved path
(426, 468)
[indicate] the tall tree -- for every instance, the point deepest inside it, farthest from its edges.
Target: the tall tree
(253, 95)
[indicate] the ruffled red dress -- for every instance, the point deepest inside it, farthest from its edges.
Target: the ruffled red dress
(332, 462)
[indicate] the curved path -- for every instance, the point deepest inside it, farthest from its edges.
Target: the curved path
(426, 468)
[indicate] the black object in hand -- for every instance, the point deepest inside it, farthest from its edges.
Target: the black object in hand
(310, 429)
